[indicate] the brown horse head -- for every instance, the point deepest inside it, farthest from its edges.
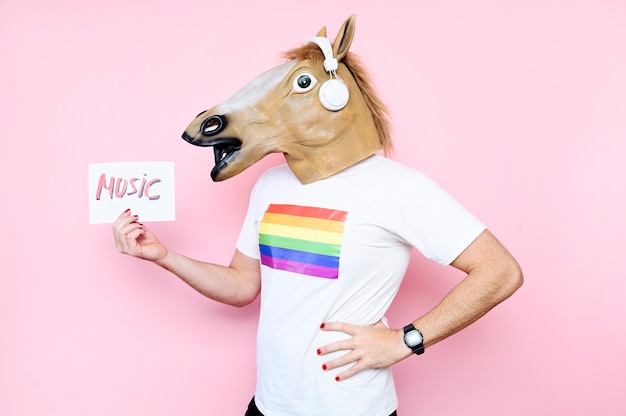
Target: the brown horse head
(282, 111)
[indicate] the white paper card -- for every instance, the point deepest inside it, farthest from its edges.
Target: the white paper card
(147, 188)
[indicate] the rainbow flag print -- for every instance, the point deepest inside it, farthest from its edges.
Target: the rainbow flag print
(303, 240)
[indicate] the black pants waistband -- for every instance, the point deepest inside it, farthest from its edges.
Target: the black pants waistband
(254, 411)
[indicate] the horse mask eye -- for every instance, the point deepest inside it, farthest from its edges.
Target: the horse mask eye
(304, 83)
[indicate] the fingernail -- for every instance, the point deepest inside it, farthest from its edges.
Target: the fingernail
(322, 326)
(337, 378)
(324, 367)
(128, 210)
(319, 352)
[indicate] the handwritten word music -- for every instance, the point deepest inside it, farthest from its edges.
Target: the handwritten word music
(120, 187)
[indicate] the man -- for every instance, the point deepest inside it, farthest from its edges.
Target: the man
(328, 237)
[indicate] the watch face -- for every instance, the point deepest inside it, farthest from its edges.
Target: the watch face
(413, 338)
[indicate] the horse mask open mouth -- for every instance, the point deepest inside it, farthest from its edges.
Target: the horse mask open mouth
(224, 148)
(300, 109)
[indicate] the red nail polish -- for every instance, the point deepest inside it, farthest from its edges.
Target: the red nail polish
(128, 210)
(322, 326)
(337, 378)
(319, 352)
(324, 367)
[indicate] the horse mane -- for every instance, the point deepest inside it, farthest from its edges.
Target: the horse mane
(363, 81)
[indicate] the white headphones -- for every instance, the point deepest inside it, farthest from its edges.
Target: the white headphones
(333, 93)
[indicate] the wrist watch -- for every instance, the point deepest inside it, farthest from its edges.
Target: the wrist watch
(413, 339)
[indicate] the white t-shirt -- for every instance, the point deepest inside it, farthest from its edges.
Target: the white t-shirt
(336, 250)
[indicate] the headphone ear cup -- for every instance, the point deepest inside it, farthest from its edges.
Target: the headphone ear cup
(334, 95)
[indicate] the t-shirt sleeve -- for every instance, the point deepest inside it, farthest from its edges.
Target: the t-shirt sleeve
(248, 241)
(435, 223)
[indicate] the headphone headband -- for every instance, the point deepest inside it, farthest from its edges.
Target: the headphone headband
(330, 62)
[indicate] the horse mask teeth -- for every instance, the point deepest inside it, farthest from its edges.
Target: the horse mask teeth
(224, 151)
(222, 157)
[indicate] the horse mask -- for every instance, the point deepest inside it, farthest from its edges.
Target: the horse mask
(317, 109)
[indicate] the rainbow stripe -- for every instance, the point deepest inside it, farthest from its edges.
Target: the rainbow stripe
(303, 240)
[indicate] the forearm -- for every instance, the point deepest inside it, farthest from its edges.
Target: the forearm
(237, 284)
(492, 276)
(472, 298)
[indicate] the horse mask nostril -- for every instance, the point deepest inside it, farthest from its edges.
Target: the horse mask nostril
(213, 125)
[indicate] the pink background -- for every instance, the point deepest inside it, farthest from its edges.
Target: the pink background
(517, 108)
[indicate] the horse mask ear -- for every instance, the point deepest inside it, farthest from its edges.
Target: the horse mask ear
(344, 38)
